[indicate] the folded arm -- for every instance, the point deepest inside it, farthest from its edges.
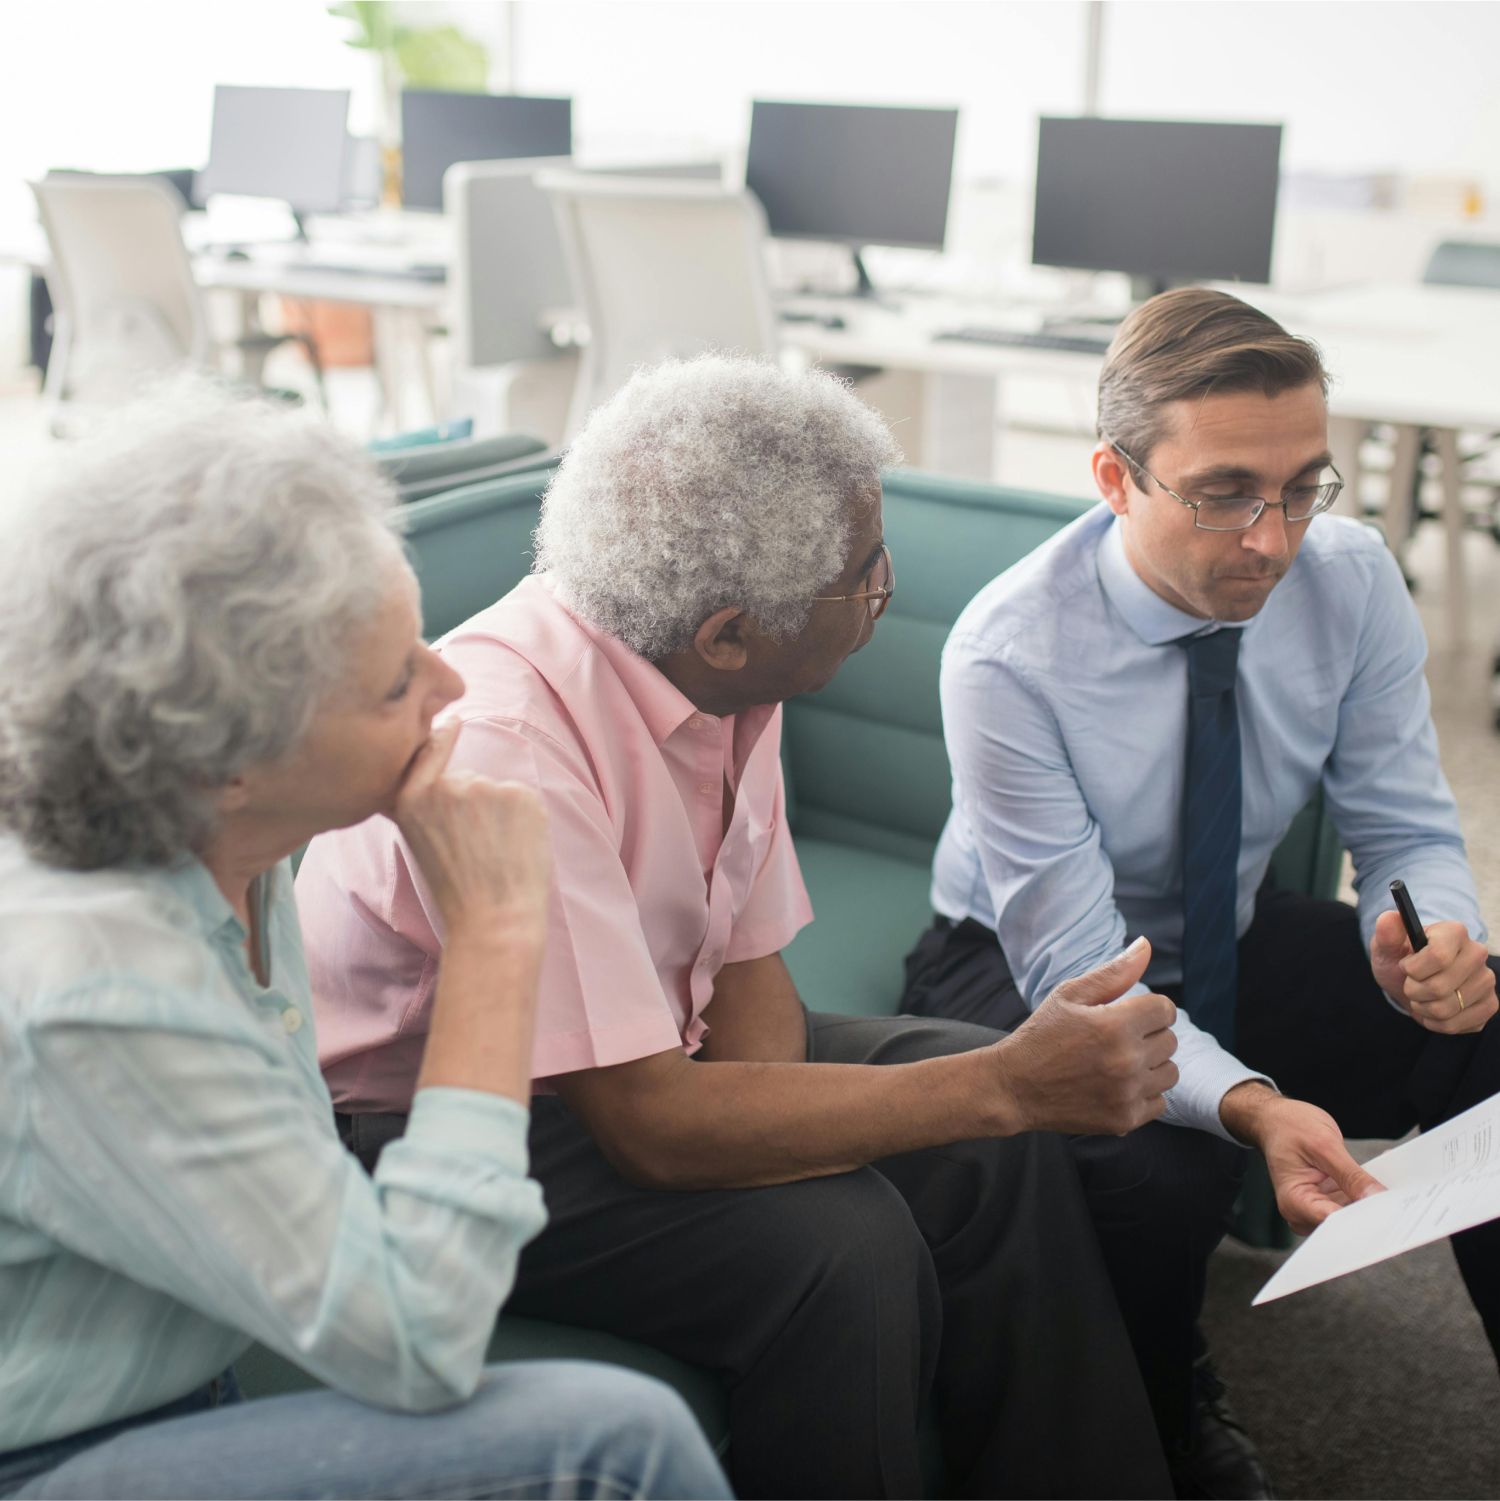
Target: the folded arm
(231, 1193)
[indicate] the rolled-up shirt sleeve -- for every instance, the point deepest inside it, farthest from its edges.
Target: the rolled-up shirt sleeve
(200, 1164)
(1041, 854)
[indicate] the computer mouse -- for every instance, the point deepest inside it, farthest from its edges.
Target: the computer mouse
(833, 320)
(234, 253)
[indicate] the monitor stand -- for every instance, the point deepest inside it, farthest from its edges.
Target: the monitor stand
(301, 237)
(864, 288)
(1143, 288)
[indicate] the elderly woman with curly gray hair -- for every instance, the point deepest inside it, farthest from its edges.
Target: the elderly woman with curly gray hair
(210, 651)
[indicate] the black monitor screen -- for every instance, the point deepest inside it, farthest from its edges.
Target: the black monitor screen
(853, 174)
(438, 129)
(1162, 200)
(278, 143)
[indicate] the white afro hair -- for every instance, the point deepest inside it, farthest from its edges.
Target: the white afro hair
(704, 483)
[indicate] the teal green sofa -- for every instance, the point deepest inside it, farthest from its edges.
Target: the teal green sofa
(867, 780)
(421, 465)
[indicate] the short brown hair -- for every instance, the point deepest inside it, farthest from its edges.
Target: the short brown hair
(1188, 343)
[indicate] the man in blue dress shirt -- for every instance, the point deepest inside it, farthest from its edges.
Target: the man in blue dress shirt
(1134, 714)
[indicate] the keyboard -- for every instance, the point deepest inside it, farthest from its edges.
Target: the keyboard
(1022, 338)
(395, 271)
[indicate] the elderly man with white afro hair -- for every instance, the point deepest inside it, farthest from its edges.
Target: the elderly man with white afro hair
(707, 481)
(841, 1216)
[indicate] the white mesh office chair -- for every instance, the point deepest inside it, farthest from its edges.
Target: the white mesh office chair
(508, 273)
(125, 302)
(660, 268)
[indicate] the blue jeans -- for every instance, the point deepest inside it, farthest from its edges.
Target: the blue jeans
(533, 1428)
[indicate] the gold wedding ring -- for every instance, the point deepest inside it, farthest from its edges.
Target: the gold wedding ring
(1460, 995)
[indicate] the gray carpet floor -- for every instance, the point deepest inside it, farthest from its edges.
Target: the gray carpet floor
(1379, 1384)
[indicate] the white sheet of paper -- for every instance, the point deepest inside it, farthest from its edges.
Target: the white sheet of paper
(1446, 1180)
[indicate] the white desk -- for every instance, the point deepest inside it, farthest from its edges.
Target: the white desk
(1414, 357)
(1411, 356)
(404, 309)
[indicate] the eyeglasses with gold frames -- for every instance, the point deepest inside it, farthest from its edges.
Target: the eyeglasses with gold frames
(878, 595)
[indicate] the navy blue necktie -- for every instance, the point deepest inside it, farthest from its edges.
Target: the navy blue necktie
(1211, 815)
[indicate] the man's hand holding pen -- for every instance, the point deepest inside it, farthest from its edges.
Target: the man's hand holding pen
(1447, 986)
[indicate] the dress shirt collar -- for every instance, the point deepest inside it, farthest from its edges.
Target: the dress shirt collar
(188, 879)
(1150, 616)
(191, 882)
(664, 707)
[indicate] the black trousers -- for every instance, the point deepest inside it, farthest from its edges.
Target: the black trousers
(1310, 1016)
(833, 1308)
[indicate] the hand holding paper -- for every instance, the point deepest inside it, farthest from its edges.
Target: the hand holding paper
(1310, 1166)
(1444, 1181)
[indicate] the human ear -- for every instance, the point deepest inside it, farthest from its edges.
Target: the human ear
(721, 640)
(233, 796)
(1112, 476)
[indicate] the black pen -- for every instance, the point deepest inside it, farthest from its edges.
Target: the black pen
(1407, 908)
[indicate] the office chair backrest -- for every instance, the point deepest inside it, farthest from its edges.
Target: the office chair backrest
(121, 283)
(181, 180)
(508, 263)
(1464, 263)
(660, 268)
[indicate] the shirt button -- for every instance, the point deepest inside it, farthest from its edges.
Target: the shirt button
(291, 1019)
(695, 723)
(706, 788)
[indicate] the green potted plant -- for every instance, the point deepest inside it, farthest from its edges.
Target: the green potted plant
(423, 57)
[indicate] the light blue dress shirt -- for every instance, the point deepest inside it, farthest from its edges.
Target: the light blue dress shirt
(1065, 713)
(171, 1182)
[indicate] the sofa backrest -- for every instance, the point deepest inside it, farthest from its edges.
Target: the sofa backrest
(865, 756)
(471, 545)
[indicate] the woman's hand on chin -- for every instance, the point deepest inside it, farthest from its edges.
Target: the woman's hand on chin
(482, 845)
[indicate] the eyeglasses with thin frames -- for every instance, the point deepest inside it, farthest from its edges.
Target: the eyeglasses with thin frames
(1239, 513)
(878, 596)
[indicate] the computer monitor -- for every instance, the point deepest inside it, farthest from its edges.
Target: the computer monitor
(279, 143)
(1164, 201)
(439, 128)
(854, 174)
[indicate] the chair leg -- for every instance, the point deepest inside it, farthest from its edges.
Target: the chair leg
(1453, 527)
(1401, 501)
(1345, 434)
(310, 349)
(55, 384)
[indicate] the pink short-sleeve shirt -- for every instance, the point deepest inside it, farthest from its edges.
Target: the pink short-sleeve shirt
(651, 892)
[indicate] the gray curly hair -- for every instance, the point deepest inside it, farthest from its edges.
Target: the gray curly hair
(174, 596)
(709, 482)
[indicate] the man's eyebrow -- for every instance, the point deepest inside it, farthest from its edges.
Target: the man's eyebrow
(1217, 473)
(874, 556)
